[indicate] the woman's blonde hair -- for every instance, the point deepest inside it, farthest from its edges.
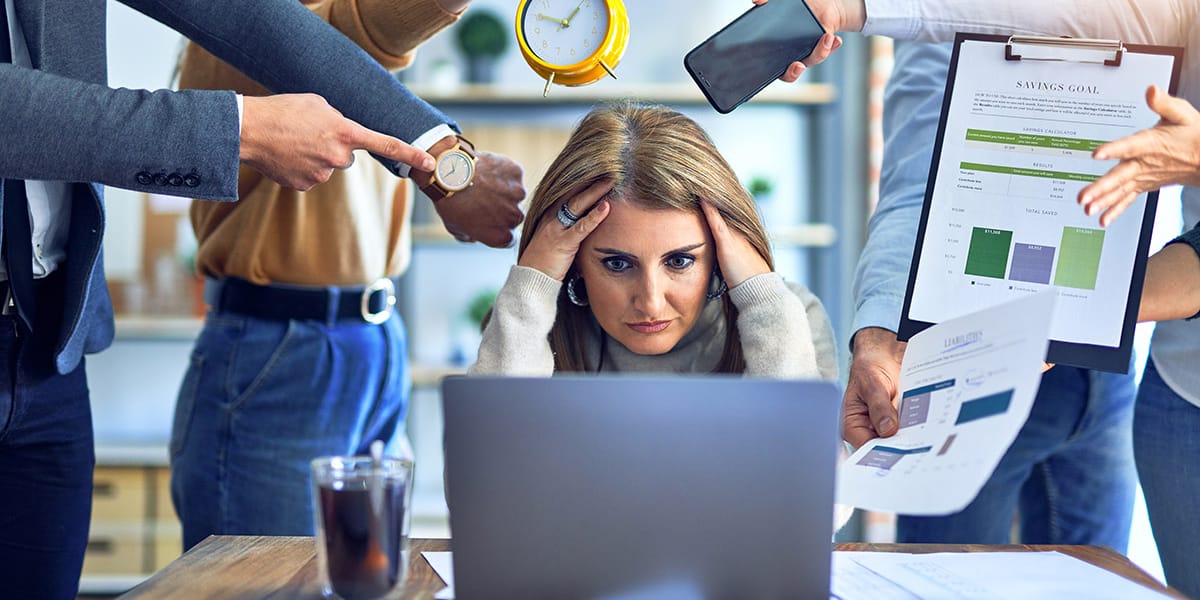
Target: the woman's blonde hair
(658, 159)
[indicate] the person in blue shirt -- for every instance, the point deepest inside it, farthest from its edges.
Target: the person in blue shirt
(1069, 476)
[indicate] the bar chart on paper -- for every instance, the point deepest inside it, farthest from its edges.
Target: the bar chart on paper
(1078, 253)
(1079, 262)
(1001, 218)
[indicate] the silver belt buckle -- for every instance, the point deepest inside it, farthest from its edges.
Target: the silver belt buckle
(383, 284)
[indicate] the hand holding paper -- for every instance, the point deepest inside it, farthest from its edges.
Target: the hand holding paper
(966, 387)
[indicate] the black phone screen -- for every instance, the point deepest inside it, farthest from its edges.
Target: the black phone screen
(752, 51)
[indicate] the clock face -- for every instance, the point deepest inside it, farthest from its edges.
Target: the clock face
(454, 170)
(564, 32)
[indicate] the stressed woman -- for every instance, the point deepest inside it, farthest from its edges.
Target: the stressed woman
(643, 253)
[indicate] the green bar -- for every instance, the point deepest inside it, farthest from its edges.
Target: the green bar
(1032, 140)
(1079, 258)
(1022, 171)
(988, 255)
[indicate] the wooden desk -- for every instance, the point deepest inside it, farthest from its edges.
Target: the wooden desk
(246, 567)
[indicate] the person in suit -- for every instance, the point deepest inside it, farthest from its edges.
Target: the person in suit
(264, 393)
(66, 134)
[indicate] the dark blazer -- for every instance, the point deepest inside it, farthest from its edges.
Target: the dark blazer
(60, 120)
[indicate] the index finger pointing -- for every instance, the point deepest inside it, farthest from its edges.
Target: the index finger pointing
(393, 148)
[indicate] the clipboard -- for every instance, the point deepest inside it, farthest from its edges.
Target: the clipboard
(1003, 221)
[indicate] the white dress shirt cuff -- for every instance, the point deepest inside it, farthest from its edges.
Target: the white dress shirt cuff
(425, 141)
(241, 110)
(899, 19)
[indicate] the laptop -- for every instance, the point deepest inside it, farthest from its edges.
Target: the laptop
(666, 486)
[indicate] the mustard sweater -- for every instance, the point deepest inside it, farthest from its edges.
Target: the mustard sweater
(350, 230)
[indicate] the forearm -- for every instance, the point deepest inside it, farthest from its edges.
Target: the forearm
(56, 128)
(515, 339)
(1172, 288)
(288, 49)
(1133, 21)
(912, 105)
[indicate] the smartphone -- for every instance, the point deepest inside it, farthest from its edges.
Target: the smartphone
(740, 60)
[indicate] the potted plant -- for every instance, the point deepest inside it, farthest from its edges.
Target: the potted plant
(760, 187)
(482, 38)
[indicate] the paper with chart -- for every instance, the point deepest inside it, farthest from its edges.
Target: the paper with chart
(966, 387)
(1001, 216)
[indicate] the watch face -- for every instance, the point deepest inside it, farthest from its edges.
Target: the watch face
(564, 32)
(454, 170)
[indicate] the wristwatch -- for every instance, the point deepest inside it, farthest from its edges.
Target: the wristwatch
(453, 171)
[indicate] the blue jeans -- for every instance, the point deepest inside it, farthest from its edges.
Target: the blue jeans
(1069, 475)
(261, 399)
(46, 463)
(1166, 445)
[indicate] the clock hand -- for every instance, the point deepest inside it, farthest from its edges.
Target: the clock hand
(561, 22)
(567, 21)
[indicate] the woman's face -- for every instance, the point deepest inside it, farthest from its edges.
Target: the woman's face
(646, 274)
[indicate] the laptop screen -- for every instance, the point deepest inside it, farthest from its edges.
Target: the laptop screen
(618, 486)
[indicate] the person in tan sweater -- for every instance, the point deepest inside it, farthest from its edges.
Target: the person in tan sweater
(301, 354)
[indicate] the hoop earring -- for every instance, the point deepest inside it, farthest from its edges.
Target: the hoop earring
(721, 287)
(576, 298)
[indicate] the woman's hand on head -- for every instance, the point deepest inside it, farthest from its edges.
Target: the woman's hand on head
(554, 245)
(736, 256)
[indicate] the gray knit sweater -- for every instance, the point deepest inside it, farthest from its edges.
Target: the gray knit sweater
(784, 330)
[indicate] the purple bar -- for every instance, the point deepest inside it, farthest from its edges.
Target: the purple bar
(880, 459)
(914, 410)
(1032, 263)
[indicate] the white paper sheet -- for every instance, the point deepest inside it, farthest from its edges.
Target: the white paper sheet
(966, 388)
(442, 564)
(852, 581)
(978, 576)
(1003, 219)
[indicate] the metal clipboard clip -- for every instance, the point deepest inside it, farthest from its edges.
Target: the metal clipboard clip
(1066, 49)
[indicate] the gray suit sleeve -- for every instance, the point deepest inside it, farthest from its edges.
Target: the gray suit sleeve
(58, 128)
(284, 46)
(64, 123)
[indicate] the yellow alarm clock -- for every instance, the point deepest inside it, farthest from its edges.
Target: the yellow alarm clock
(572, 42)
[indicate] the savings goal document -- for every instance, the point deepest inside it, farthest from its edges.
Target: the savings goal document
(1002, 219)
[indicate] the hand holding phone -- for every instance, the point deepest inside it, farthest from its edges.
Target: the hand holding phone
(766, 43)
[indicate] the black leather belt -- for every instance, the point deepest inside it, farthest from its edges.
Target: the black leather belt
(370, 304)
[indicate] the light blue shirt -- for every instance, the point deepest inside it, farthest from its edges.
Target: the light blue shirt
(910, 119)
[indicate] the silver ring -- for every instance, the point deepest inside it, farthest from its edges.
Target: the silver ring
(565, 216)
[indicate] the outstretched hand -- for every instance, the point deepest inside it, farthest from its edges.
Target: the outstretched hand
(554, 245)
(1165, 154)
(736, 257)
(297, 140)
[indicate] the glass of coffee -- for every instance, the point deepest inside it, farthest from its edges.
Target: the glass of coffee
(361, 508)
